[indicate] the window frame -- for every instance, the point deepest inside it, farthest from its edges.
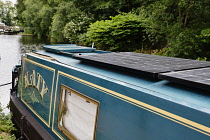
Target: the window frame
(61, 110)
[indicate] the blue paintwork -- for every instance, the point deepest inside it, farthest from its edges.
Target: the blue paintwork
(67, 48)
(119, 119)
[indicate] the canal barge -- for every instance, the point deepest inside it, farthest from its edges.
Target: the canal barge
(73, 92)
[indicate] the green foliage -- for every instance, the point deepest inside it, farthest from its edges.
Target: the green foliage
(174, 28)
(159, 18)
(185, 45)
(161, 52)
(57, 26)
(38, 16)
(178, 25)
(57, 19)
(28, 30)
(6, 126)
(75, 28)
(60, 18)
(68, 23)
(46, 14)
(20, 6)
(202, 59)
(103, 9)
(7, 13)
(189, 43)
(205, 36)
(122, 33)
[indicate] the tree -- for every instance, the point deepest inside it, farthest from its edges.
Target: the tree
(103, 9)
(20, 6)
(68, 23)
(7, 12)
(54, 18)
(65, 11)
(76, 27)
(38, 16)
(176, 25)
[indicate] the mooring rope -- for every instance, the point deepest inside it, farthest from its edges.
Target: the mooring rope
(5, 84)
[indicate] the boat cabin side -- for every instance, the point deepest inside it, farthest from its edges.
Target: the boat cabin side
(71, 102)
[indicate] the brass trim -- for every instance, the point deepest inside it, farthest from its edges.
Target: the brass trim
(43, 56)
(163, 113)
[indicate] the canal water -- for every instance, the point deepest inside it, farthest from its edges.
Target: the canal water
(11, 49)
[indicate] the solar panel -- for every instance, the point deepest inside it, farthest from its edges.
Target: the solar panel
(143, 64)
(199, 78)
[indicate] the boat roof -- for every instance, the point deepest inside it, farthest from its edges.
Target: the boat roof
(67, 48)
(183, 71)
(151, 65)
(162, 83)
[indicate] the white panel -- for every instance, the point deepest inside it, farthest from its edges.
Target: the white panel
(64, 94)
(80, 117)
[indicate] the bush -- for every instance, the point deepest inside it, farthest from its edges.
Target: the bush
(193, 44)
(6, 126)
(123, 32)
(75, 28)
(28, 30)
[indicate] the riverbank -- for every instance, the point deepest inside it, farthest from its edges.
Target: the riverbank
(25, 34)
(6, 126)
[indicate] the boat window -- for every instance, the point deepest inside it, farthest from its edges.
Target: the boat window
(77, 115)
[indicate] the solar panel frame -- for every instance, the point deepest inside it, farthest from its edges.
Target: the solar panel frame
(188, 72)
(199, 78)
(143, 64)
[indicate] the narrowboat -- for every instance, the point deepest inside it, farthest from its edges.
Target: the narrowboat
(74, 92)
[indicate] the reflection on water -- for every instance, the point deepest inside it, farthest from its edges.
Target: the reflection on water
(11, 49)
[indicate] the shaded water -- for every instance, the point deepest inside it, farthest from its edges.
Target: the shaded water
(11, 49)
